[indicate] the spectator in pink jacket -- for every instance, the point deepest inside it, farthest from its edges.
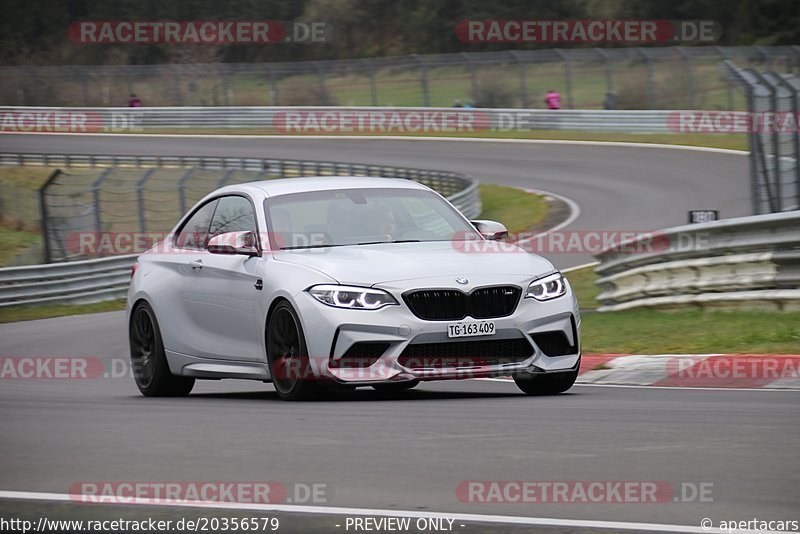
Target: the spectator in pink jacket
(553, 100)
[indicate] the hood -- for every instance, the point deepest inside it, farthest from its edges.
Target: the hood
(381, 264)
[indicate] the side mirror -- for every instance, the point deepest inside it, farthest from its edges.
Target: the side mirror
(243, 243)
(492, 230)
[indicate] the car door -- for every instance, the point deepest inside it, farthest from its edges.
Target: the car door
(221, 293)
(172, 268)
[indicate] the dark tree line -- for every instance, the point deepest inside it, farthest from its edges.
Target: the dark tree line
(35, 31)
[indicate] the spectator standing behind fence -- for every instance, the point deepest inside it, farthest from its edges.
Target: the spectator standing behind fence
(553, 99)
(134, 101)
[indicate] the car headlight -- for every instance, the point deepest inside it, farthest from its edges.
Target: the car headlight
(549, 287)
(358, 298)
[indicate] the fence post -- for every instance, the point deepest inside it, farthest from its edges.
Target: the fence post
(651, 88)
(721, 51)
(689, 77)
(323, 91)
(523, 86)
(777, 205)
(793, 86)
(274, 84)
(140, 198)
(178, 91)
(98, 220)
(182, 190)
(473, 80)
(373, 91)
(609, 71)
(567, 74)
(423, 78)
(48, 250)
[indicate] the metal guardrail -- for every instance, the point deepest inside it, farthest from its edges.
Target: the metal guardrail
(744, 262)
(329, 120)
(77, 281)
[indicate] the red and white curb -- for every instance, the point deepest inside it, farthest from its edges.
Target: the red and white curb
(771, 371)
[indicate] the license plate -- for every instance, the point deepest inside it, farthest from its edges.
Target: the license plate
(478, 328)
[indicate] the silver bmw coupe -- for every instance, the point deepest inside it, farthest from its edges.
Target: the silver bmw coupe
(314, 284)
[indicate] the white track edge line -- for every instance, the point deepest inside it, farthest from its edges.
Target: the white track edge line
(407, 138)
(292, 508)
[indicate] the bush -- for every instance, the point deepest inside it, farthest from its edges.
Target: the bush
(493, 93)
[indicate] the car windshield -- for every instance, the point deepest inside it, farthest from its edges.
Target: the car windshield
(341, 217)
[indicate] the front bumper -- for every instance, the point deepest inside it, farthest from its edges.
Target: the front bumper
(331, 332)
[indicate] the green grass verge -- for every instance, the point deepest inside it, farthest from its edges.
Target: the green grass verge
(583, 284)
(27, 177)
(681, 331)
(691, 331)
(13, 242)
(516, 210)
(44, 311)
(727, 141)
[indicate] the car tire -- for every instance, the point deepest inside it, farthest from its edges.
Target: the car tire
(287, 355)
(395, 387)
(546, 384)
(148, 360)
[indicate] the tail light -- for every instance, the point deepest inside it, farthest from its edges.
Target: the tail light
(134, 267)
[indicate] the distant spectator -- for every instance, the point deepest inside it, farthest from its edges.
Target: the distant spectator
(610, 102)
(553, 99)
(134, 101)
(467, 105)
(458, 104)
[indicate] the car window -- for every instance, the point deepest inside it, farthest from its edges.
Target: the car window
(362, 216)
(194, 233)
(233, 214)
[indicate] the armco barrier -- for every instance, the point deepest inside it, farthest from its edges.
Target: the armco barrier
(735, 263)
(327, 120)
(76, 281)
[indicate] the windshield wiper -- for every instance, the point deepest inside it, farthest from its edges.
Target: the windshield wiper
(308, 246)
(352, 244)
(388, 242)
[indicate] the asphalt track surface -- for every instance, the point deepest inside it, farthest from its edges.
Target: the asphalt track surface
(410, 452)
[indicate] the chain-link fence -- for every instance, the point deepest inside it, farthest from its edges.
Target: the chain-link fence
(773, 103)
(20, 222)
(587, 78)
(126, 204)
